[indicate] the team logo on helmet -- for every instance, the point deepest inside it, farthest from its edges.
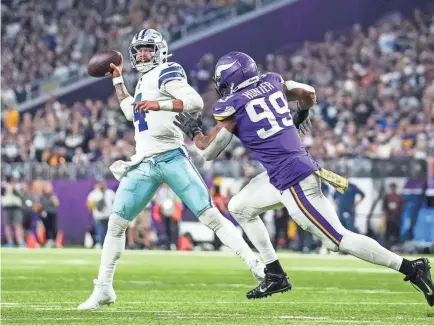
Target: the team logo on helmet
(221, 68)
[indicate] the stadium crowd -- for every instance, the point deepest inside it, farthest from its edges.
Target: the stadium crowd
(375, 91)
(375, 88)
(68, 32)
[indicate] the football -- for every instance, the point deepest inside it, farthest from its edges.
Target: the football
(99, 64)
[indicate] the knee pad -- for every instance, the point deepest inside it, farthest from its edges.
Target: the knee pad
(117, 226)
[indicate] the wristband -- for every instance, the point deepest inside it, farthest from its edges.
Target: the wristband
(166, 105)
(118, 80)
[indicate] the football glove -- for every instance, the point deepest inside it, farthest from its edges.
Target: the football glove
(302, 121)
(189, 125)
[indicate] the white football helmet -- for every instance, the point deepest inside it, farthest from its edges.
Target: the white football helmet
(156, 45)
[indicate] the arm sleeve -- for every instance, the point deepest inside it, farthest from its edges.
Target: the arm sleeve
(290, 84)
(181, 90)
(126, 106)
(217, 145)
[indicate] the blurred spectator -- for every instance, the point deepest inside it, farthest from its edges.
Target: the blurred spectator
(372, 102)
(168, 210)
(12, 212)
(139, 230)
(27, 201)
(100, 203)
(249, 174)
(80, 158)
(221, 203)
(281, 220)
(347, 203)
(61, 35)
(48, 213)
(12, 119)
(202, 73)
(393, 204)
(185, 242)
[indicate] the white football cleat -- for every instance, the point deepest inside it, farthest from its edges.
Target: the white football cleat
(258, 270)
(103, 294)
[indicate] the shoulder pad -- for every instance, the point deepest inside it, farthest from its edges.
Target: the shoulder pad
(171, 71)
(224, 108)
(272, 76)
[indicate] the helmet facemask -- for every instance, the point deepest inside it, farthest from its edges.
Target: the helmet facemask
(155, 53)
(222, 90)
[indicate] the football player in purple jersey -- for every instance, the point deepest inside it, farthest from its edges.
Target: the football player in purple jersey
(254, 107)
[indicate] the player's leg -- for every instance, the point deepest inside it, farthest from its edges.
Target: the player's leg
(255, 198)
(181, 175)
(313, 212)
(135, 191)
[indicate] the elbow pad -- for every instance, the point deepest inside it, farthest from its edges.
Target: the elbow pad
(126, 106)
(218, 144)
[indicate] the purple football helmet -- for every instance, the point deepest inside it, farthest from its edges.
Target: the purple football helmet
(233, 72)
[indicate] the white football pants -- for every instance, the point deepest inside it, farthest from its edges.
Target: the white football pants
(311, 210)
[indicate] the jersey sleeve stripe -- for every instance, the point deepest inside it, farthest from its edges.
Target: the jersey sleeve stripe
(171, 69)
(225, 113)
(169, 76)
(219, 117)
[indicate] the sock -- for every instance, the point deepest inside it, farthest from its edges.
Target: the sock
(275, 267)
(114, 245)
(406, 267)
(370, 250)
(228, 235)
(257, 233)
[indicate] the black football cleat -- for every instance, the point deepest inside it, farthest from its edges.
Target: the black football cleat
(421, 279)
(272, 283)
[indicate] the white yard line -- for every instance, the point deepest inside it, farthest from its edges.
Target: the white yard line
(236, 285)
(144, 303)
(31, 264)
(91, 252)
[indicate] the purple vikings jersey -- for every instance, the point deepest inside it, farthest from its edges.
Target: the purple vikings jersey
(264, 125)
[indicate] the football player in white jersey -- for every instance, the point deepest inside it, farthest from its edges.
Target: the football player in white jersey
(161, 93)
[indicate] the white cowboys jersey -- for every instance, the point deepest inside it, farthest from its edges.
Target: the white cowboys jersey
(155, 132)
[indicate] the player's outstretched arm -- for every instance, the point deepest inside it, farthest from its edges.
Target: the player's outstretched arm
(210, 146)
(305, 96)
(124, 97)
(303, 93)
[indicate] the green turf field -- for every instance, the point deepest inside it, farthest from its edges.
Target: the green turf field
(45, 286)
